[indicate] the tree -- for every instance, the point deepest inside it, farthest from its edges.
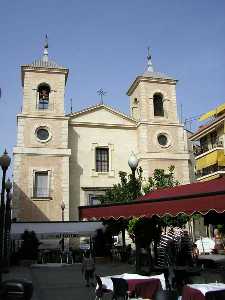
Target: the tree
(128, 190)
(30, 244)
(160, 179)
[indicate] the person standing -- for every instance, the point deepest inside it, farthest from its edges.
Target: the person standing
(88, 268)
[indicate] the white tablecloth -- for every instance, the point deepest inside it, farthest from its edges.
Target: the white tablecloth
(108, 284)
(207, 287)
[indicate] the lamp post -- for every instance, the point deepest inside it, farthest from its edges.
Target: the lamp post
(63, 208)
(4, 163)
(6, 253)
(133, 163)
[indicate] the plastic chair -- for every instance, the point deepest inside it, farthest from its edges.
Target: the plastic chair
(100, 291)
(120, 288)
(166, 295)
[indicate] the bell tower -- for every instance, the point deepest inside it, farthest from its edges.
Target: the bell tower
(41, 155)
(161, 139)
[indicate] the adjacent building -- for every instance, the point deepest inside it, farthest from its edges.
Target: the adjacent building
(208, 143)
(71, 159)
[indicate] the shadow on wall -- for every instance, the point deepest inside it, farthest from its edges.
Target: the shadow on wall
(75, 172)
(25, 209)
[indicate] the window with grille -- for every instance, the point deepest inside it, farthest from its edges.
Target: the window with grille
(102, 159)
(43, 92)
(41, 189)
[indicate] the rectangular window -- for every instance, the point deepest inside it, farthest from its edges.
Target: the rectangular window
(102, 159)
(204, 144)
(41, 189)
(93, 199)
(214, 139)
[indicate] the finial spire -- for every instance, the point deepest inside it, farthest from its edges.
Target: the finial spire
(101, 93)
(149, 61)
(45, 56)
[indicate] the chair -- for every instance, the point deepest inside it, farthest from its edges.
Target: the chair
(120, 288)
(166, 295)
(215, 295)
(147, 289)
(100, 291)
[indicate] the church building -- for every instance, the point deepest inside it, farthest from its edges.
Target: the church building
(62, 161)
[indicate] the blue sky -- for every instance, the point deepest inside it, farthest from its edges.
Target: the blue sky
(104, 43)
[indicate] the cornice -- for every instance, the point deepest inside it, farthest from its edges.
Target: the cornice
(41, 151)
(151, 80)
(101, 106)
(90, 124)
(165, 156)
(30, 116)
(43, 70)
(196, 136)
(160, 124)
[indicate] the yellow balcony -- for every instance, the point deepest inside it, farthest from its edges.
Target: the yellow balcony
(215, 157)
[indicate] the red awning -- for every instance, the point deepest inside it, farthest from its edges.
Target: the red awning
(199, 197)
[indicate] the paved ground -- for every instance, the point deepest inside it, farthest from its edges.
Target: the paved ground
(57, 282)
(63, 282)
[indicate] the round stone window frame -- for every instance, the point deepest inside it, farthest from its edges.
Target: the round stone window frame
(168, 144)
(49, 134)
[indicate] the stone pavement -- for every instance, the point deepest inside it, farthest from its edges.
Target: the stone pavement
(57, 282)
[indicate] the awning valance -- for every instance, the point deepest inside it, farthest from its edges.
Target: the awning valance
(46, 230)
(199, 197)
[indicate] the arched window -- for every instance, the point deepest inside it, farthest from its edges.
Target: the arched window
(43, 95)
(158, 105)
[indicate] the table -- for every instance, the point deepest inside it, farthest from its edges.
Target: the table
(142, 285)
(203, 291)
(144, 288)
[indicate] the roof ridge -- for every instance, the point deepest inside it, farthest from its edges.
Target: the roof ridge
(98, 105)
(156, 74)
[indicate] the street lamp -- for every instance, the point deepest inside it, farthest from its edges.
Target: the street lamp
(4, 163)
(8, 187)
(63, 208)
(133, 163)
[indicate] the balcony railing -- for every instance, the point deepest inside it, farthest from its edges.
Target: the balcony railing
(41, 192)
(45, 106)
(200, 150)
(209, 170)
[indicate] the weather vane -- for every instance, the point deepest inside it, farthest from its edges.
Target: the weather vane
(149, 53)
(71, 105)
(101, 93)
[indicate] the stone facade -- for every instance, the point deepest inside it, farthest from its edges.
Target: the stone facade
(66, 159)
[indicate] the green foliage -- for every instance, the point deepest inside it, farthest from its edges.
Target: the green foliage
(178, 221)
(160, 179)
(144, 230)
(127, 190)
(115, 226)
(30, 244)
(221, 228)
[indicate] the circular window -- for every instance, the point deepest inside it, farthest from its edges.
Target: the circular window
(162, 139)
(42, 134)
